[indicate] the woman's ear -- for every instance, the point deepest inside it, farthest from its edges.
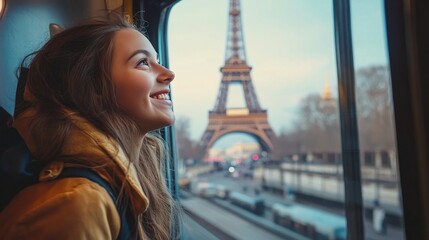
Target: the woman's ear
(54, 29)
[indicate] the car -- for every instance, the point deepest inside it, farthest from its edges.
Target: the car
(205, 189)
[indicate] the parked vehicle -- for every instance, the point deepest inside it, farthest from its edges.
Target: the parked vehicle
(310, 222)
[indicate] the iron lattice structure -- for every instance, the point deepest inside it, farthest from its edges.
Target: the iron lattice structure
(252, 119)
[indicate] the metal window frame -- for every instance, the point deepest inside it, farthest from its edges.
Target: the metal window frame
(408, 45)
(348, 120)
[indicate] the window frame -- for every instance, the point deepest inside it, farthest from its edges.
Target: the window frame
(353, 201)
(408, 45)
(153, 16)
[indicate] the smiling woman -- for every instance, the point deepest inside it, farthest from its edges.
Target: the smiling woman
(92, 95)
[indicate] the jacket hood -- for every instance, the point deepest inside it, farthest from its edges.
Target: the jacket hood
(89, 142)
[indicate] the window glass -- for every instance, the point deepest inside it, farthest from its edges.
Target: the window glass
(241, 185)
(381, 187)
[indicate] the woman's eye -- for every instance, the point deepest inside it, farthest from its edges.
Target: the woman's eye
(143, 62)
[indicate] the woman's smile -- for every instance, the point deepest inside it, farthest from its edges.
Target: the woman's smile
(161, 97)
(162, 101)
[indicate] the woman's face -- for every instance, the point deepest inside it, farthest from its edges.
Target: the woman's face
(142, 84)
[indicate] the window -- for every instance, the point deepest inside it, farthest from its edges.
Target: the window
(369, 159)
(387, 158)
(294, 83)
(245, 179)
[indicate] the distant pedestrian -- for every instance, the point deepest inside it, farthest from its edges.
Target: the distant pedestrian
(379, 218)
(289, 194)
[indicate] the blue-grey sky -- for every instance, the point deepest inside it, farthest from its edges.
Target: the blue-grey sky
(289, 44)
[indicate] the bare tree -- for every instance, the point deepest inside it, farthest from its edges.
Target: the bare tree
(184, 142)
(317, 124)
(317, 128)
(286, 143)
(375, 108)
(186, 147)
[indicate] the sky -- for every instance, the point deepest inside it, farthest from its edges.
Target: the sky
(289, 44)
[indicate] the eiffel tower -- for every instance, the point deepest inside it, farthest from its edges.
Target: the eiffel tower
(251, 119)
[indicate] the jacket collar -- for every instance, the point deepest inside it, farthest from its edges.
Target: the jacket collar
(88, 141)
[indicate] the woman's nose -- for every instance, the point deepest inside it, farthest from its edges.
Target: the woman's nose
(166, 75)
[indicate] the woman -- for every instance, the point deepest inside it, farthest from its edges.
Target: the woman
(93, 94)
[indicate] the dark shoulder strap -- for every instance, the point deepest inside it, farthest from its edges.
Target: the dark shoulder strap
(17, 170)
(125, 230)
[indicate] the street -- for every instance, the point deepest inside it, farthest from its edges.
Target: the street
(252, 187)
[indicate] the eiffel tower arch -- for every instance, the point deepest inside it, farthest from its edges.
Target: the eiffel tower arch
(251, 119)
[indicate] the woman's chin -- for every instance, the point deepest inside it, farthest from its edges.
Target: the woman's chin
(170, 118)
(161, 123)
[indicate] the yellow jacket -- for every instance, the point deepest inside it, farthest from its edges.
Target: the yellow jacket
(70, 208)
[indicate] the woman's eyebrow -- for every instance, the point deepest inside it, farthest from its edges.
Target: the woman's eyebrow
(146, 52)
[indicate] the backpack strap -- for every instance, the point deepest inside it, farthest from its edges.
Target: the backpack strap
(17, 170)
(125, 230)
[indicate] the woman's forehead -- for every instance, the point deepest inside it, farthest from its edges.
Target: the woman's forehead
(128, 41)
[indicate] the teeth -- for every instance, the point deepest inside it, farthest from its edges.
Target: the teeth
(162, 96)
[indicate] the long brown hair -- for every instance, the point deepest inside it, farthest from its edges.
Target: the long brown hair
(72, 72)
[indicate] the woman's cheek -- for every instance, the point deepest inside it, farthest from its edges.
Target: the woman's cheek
(142, 89)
